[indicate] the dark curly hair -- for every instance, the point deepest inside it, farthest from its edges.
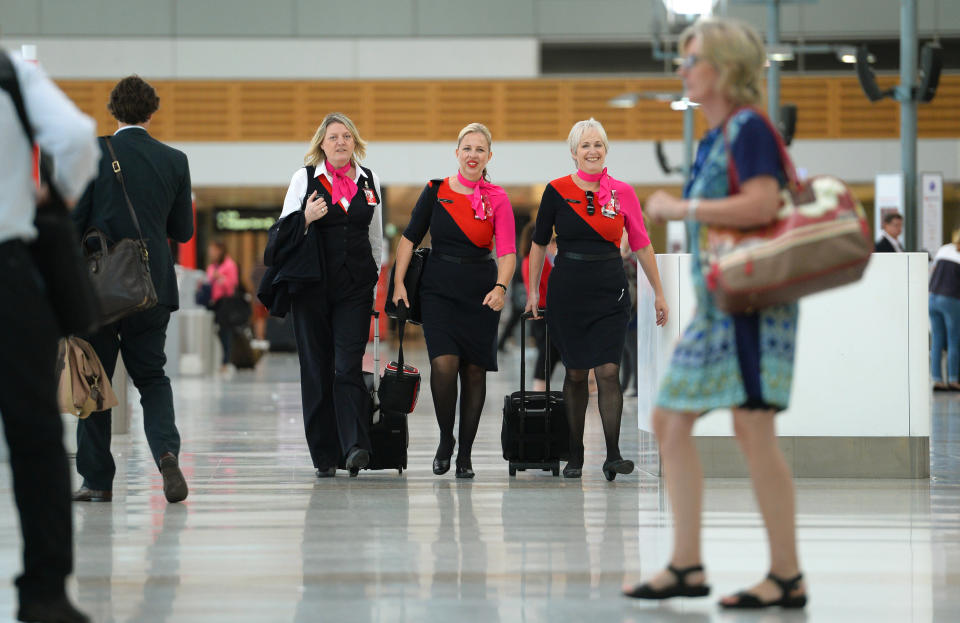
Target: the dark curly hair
(133, 100)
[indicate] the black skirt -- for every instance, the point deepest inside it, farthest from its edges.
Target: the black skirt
(588, 309)
(455, 320)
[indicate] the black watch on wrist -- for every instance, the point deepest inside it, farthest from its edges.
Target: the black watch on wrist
(502, 286)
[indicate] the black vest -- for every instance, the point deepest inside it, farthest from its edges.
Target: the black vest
(345, 236)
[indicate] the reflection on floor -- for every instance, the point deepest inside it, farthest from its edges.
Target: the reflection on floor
(260, 539)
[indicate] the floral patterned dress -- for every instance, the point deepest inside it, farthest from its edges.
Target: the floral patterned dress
(705, 371)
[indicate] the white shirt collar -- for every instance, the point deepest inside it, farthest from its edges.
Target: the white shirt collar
(322, 170)
(896, 243)
(129, 127)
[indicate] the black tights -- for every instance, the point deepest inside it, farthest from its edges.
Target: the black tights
(444, 371)
(609, 400)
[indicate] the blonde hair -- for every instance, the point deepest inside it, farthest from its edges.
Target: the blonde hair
(580, 128)
(315, 155)
(956, 237)
(736, 50)
(477, 128)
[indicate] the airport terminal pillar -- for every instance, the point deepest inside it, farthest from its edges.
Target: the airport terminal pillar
(860, 406)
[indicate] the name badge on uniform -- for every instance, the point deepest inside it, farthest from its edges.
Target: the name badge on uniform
(371, 196)
(612, 209)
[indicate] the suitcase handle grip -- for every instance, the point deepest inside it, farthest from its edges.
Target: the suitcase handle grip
(523, 359)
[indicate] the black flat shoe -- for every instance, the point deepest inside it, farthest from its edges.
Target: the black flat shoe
(618, 466)
(328, 472)
(678, 589)
(465, 471)
(357, 460)
(749, 601)
(441, 466)
(572, 471)
(56, 611)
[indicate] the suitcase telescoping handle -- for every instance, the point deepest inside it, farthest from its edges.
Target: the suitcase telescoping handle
(376, 351)
(523, 360)
(403, 314)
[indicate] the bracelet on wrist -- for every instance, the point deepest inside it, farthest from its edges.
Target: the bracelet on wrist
(502, 286)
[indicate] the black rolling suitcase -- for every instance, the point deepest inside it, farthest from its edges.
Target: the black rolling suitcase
(535, 433)
(389, 435)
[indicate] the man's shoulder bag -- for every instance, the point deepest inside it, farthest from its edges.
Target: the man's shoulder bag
(120, 273)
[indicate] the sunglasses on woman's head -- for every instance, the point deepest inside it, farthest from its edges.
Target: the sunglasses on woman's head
(590, 208)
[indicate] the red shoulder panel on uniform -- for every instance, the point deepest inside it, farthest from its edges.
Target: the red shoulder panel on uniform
(458, 207)
(610, 229)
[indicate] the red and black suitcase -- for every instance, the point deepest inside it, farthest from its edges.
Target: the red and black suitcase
(535, 432)
(388, 430)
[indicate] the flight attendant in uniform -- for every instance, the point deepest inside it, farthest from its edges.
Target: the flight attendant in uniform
(462, 288)
(588, 300)
(338, 202)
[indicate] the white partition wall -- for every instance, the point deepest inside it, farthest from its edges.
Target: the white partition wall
(861, 393)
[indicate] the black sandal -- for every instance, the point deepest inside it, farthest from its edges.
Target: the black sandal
(678, 589)
(749, 601)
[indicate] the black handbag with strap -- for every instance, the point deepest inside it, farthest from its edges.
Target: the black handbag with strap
(56, 250)
(412, 279)
(120, 273)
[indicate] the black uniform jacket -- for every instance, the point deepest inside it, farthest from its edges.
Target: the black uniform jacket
(157, 177)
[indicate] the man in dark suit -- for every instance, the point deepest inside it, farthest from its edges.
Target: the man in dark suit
(889, 234)
(157, 179)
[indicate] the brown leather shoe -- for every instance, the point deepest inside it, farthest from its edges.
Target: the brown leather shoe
(84, 494)
(174, 484)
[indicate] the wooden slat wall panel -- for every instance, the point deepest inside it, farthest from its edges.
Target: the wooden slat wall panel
(266, 112)
(460, 103)
(941, 117)
(532, 111)
(401, 110)
(812, 99)
(860, 118)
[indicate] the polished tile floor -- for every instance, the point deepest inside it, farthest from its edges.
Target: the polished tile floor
(260, 539)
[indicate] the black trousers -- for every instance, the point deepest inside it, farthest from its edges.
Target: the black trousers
(331, 325)
(140, 338)
(225, 334)
(31, 420)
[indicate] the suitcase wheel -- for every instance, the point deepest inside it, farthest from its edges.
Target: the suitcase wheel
(513, 470)
(400, 471)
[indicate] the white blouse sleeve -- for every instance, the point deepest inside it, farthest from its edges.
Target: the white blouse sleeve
(295, 193)
(375, 231)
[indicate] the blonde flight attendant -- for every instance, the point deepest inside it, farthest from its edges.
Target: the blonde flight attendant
(336, 202)
(463, 287)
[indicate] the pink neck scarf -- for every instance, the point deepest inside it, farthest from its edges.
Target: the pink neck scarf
(606, 184)
(481, 188)
(342, 186)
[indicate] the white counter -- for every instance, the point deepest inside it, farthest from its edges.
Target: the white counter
(861, 393)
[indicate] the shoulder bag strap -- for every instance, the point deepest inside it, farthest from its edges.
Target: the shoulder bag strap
(733, 180)
(10, 84)
(116, 169)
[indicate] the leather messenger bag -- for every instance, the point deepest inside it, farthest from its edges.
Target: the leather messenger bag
(121, 273)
